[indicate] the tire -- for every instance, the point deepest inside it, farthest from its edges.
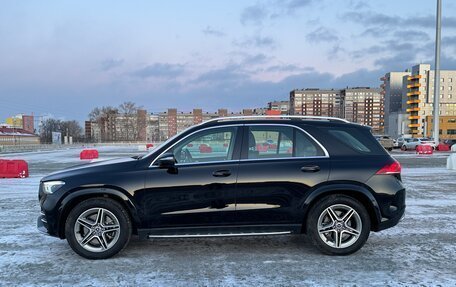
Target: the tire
(390, 149)
(403, 148)
(95, 238)
(319, 219)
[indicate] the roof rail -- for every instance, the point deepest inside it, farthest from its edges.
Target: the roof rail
(334, 119)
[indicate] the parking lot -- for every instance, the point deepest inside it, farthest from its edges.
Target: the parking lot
(420, 250)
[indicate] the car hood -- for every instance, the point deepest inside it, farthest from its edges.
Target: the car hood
(93, 167)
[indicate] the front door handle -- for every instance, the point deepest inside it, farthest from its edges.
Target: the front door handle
(310, 168)
(221, 173)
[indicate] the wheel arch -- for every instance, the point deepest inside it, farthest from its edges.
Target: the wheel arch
(77, 196)
(355, 190)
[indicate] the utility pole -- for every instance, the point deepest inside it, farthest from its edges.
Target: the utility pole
(437, 73)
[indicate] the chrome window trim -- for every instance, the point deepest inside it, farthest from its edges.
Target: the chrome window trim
(246, 160)
(206, 162)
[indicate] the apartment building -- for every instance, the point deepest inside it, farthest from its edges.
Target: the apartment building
(362, 105)
(316, 102)
(420, 100)
(281, 106)
(172, 121)
(365, 106)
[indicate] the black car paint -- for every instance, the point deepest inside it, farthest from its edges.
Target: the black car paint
(160, 198)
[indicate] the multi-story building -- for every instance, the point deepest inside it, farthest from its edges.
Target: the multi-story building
(21, 121)
(420, 100)
(392, 89)
(282, 106)
(172, 122)
(316, 102)
(365, 106)
(359, 105)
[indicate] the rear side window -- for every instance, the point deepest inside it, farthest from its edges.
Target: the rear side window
(359, 140)
(350, 140)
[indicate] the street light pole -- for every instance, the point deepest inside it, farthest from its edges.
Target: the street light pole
(437, 72)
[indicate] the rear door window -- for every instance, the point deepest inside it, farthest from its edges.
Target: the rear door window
(269, 142)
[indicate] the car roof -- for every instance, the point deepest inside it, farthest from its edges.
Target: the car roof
(285, 119)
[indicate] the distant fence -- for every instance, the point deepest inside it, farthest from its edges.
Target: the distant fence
(44, 147)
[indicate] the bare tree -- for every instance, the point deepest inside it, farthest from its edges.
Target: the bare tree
(105, 118)
(70, 128)
(129, 129)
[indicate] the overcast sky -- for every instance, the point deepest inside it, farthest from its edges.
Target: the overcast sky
(66, 57)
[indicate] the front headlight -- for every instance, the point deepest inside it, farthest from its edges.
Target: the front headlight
(50, 187)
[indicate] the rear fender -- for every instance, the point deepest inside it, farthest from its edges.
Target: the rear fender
(353, 189)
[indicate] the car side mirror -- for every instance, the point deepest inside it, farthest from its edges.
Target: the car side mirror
(167, 160)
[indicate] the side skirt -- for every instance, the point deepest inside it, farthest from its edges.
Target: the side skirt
(219, 231)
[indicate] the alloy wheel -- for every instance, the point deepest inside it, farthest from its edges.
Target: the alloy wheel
(97, 229)
(339, 226)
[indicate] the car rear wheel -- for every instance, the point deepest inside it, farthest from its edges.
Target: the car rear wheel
(98, 228)
(338, 225)
(404, 148)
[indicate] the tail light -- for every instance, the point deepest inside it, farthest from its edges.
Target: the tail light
(391, 168)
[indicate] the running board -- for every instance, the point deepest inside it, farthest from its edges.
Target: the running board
(218, 235)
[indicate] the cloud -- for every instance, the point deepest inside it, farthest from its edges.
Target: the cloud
(209, 31)
(229, 76)
(254, 14)
(374, 19)
(160, 70)
(255, 59)
(289, 68)
(109, 64)
(257, 41)
(292, 5)
(322, 34)
(412, 35)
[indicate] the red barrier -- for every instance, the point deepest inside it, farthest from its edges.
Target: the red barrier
(424, 149)
(204, 148)
(149, 145)
(13, 168)
(88, 154)
(443, 147)
(262, 148)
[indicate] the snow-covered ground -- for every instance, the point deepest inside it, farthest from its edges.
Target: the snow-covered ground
(421, 250)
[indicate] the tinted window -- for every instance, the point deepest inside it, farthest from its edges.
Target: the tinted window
(305, 146)
(350, 140)
(270, 142)
(206, 146)
(346, 140)
(280, 142)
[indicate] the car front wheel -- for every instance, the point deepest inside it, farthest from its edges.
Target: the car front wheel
(338, 225)
(98, 228)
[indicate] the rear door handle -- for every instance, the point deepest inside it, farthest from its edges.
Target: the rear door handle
(310, 168)
(221, 173)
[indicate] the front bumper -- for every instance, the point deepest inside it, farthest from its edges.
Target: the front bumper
(41, 224)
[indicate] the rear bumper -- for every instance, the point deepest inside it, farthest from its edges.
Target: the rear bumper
(392, 221)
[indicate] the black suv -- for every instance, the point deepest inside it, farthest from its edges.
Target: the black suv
(324, 177)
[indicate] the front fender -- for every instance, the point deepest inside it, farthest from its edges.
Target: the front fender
(76, 196)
